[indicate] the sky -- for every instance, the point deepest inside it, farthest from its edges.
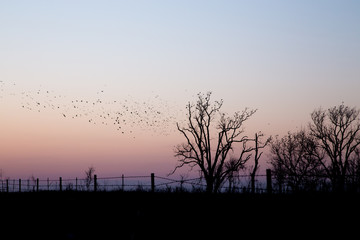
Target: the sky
(70, 71)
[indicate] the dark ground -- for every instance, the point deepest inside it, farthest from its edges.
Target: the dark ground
(144, 215)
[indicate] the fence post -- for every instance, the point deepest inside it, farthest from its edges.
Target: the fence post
(37, 184)
(268, 181)
(152, 182)
(19, 185)
(48, 184)
(60, 183)
(95, 182)
(122, 182)
(7, 185)
(76, 184)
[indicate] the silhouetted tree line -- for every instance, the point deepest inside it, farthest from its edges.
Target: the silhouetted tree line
(323, 156)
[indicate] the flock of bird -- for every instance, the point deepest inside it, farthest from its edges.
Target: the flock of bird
(127, 115)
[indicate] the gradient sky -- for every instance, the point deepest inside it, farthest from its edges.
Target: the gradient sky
(284, 58)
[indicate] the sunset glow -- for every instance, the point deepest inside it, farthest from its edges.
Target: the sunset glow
(103, 84)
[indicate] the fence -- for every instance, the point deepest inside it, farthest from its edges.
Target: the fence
(132, 183)
(266, 183)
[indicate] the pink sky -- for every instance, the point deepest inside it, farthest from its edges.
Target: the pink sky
(142, 61)
(46, 143)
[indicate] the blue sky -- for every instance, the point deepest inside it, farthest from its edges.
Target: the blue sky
(167, 45)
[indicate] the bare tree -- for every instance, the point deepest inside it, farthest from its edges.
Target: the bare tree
(295, 161)
(233, 176)
(258, 146)
(338, 133)
(207, 146)
(89, 177)
(353, 179)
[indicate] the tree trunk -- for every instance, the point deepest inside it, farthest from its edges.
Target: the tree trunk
(252, 183)
(209, 185)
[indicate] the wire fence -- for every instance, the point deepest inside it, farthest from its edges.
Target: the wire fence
(263, 183)
(128, 183)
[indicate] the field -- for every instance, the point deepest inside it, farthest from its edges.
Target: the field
(160, 215)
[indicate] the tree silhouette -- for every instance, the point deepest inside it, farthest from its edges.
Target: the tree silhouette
(295, 161)
(258, 146)
(207, 146)
(338, 133)
(89, 177)
(353, 180)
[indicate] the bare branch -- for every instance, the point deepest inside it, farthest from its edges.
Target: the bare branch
(200, 135)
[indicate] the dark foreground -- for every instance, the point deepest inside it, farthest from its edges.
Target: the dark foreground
(143, 215)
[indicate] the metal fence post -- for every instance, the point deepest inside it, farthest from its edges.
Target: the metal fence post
(7, 185)
(19, 185)
(37, 184)
(152, 182)
(268, 181)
